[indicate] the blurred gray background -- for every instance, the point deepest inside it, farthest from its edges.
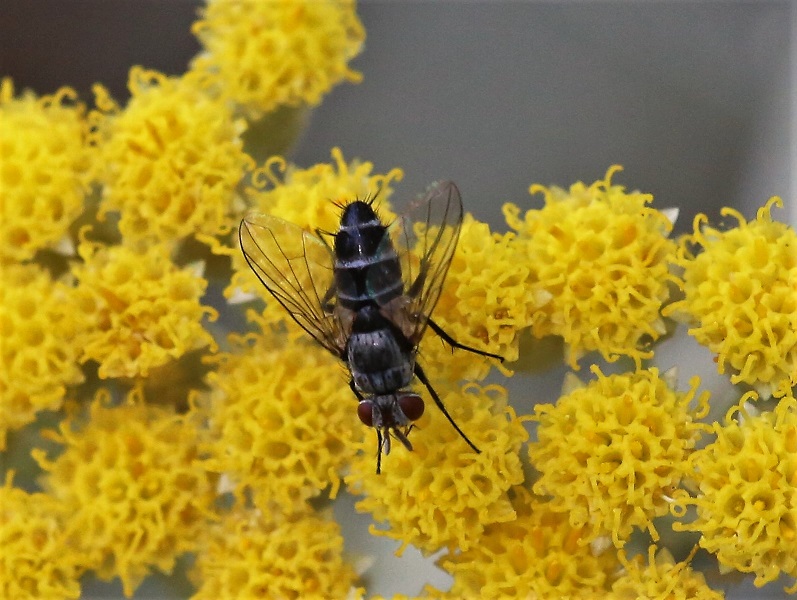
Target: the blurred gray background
(697, 100)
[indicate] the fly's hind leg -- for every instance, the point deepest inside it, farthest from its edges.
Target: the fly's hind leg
(455, 344)
(422, 377)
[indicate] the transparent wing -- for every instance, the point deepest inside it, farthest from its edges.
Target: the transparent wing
(425, 239)
(296, 268)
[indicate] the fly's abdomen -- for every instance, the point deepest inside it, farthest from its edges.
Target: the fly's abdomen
(378, 366)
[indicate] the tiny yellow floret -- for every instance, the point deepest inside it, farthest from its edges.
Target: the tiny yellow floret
(35, 558)
(257, 554)
(39, 322)
(740, 297)
(45, 169)
(264, 55)
(747, 498)
(143, 310)
(612, 452)
(598, 260)
(443, 494)
(171, 159)
(134, 489)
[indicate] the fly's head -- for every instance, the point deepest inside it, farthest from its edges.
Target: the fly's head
(391, 415)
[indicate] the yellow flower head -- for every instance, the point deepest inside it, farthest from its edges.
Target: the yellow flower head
(443, 494)
(484, 304)
(171, 159)
(281, 416)
(536, 555)
(262, 554)
(143, 310)
(662, 578)
(44, 169)
(135, 492)
(747, 499)
(598, 260)
(279, 53)
(612, 452)
(35, 559)
(38, 324)
(740, 296)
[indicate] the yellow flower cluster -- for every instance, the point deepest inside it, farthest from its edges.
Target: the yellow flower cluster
(45, 169)
(281, 53)
(281, 417)
(134, 490)
(35, 557)
(611, 453)
(261, 554)
(662, 578)
(747, 498)
(485, 303)
(740, 297)
(38, 323)
(142, 310)
(536, 555)
(598, 261)
(235, 476)
(443, 494)
(171, 160)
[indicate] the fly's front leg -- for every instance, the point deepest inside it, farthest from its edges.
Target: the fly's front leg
(455, 344)
(354, 389)
(378, 451)
(422, 377)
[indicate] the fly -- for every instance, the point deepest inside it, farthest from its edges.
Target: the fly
(367, 298)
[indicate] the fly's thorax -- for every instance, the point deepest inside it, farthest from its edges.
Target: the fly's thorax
(367, 268)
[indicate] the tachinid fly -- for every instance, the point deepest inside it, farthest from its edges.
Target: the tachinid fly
(367, 297)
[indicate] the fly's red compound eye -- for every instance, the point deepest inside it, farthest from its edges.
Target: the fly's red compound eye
(365, 410)
(411, 405)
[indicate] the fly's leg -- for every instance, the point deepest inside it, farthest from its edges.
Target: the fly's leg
(354, 389)
(378, 452)
(455, 344)
(402, 437)
(326, 302)
(422, 377)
